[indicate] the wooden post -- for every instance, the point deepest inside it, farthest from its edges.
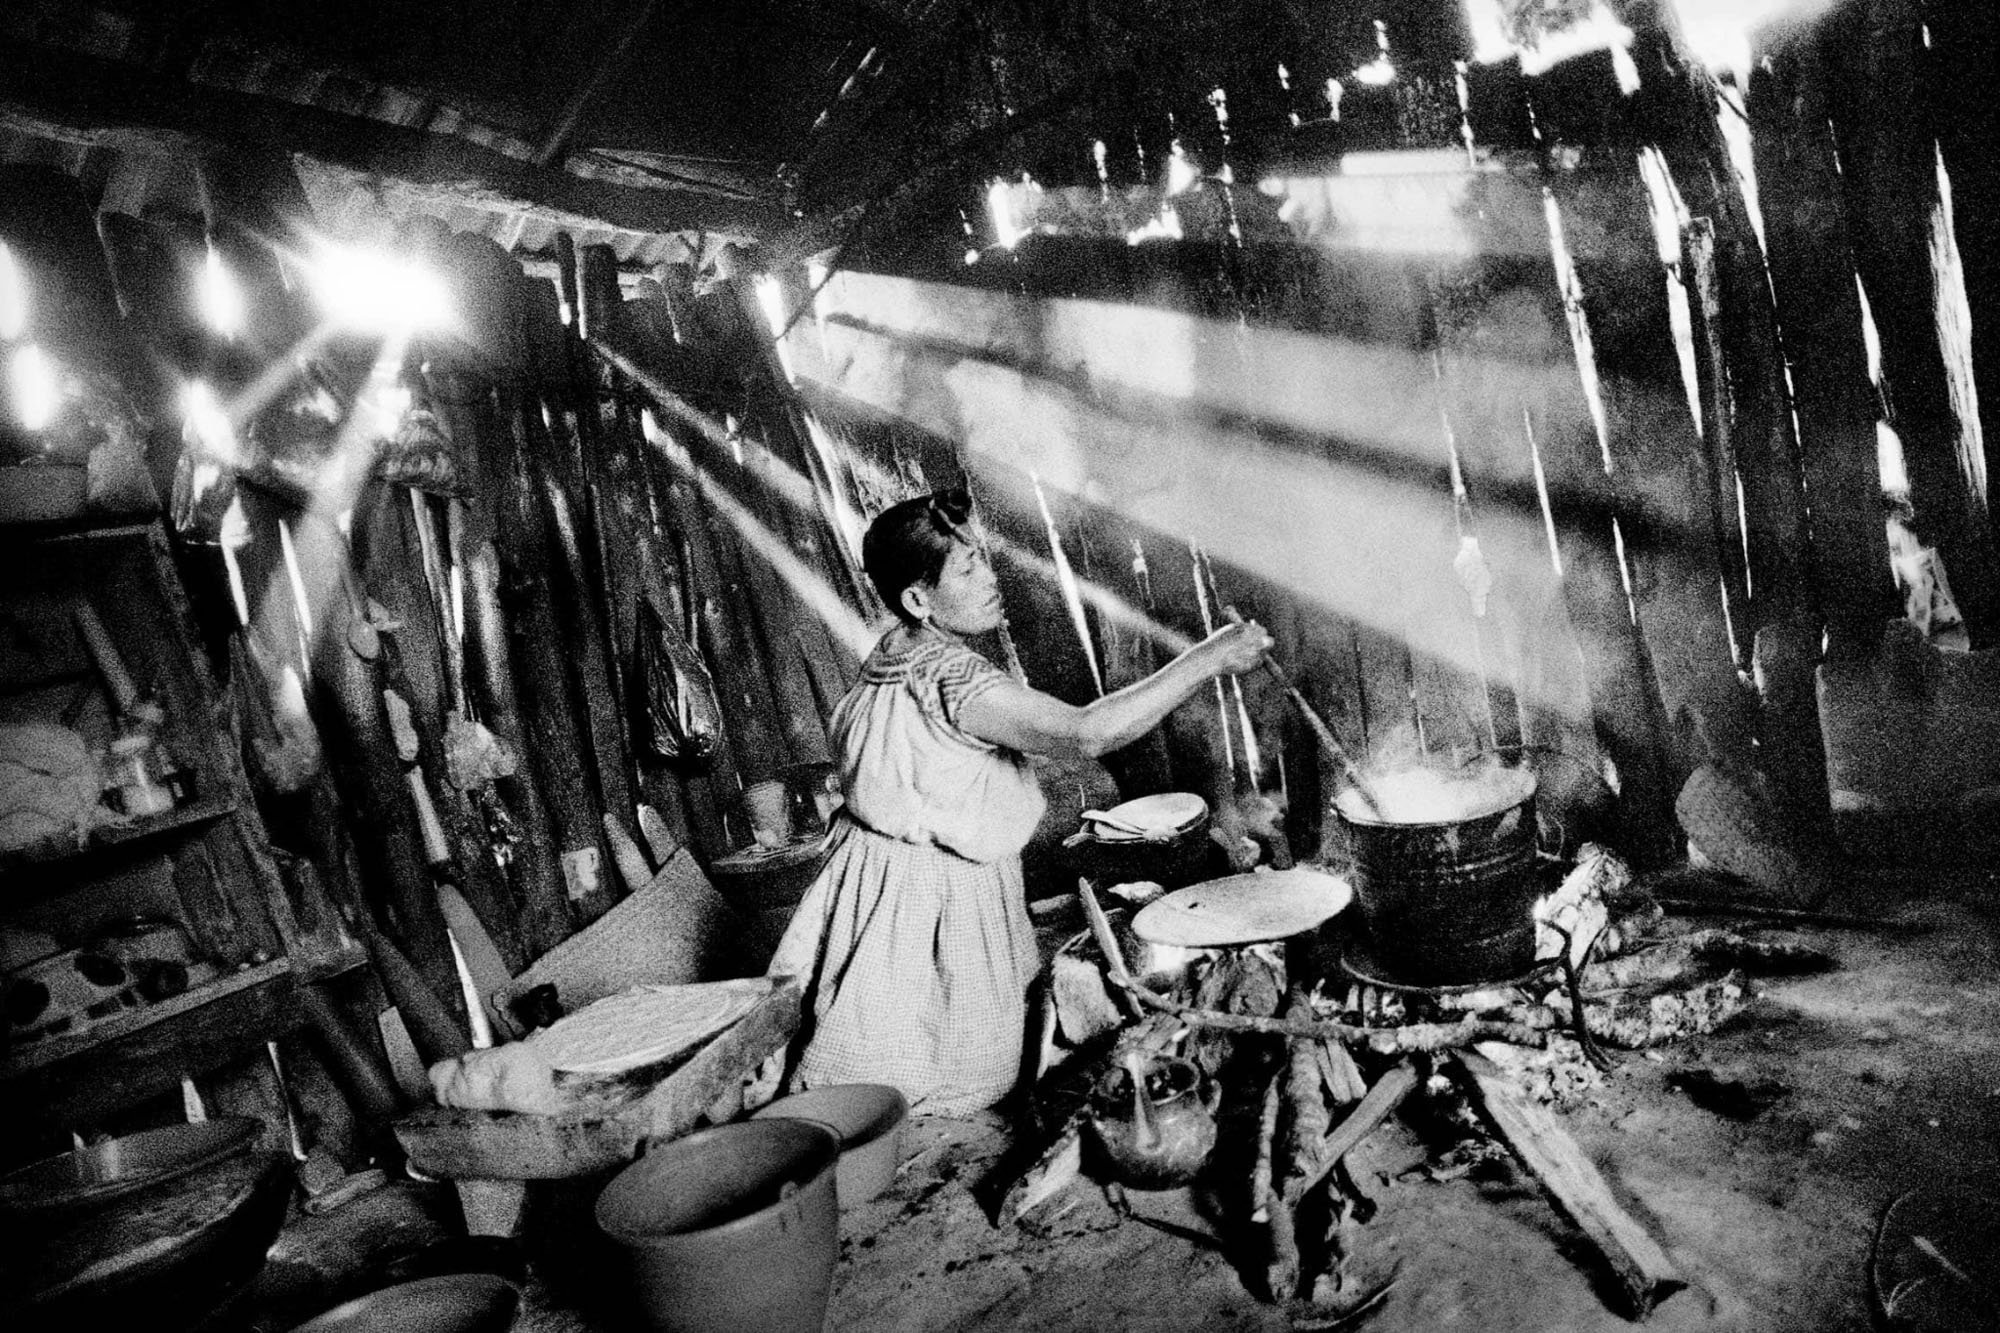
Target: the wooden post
(1666, 500)
(490, 687)
(724, 636)
(1530, 651)
(1957, 73)
(1526, 328)
(1889, 164)
(557, 489)
(1702, 284)
(412, 661)
(487, 285)
(1819, 314)
(348, 684)
(1740, 356)
(554, 742)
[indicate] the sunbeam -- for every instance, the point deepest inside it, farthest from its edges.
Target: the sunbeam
(1312, 463)
(812, 589)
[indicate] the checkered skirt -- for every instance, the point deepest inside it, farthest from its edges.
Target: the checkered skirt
(916, 963)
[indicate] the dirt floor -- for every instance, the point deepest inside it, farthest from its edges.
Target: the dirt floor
(1888, 1080)
(1890, 1070)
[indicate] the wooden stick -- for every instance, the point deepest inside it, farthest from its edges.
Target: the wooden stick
(1405, 1037)
(1578, 1191)
(1114, 957)
(1061, 1162)
(515, 806)
(1056, 1170)
(1389, 1092)
(1320, 729)
(1281, 1265)
(1797, 916)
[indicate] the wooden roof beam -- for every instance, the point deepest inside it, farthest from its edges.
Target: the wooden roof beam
(83, 99)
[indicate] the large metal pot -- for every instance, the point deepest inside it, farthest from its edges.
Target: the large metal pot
(1449, 902)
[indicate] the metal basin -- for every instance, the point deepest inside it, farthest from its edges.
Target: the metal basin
(99, 1175)
(162, 1256)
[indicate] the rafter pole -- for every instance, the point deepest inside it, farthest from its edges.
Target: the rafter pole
(84, 99)
(563, 127)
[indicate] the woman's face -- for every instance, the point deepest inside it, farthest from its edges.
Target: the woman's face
(965, 599)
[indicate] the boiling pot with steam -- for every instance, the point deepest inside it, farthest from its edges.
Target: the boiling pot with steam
(1444, 875)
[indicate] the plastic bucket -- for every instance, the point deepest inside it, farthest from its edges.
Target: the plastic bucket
(731, 1228)
(868, 1117)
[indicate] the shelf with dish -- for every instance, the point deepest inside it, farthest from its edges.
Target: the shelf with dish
(122, 834)
(129, 805)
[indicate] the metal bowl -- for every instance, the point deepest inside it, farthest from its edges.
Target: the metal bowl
(164, 1256)
(458, 1303)
(96, 1176)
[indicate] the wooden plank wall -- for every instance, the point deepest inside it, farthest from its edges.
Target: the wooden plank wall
(497, 562)
(1697, 579)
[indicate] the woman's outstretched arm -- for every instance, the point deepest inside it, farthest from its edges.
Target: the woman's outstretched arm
(1025, 719)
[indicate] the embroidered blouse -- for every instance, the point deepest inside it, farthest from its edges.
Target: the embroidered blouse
(911, 772)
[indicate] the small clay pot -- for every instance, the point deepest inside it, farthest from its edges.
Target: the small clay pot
(731, 1228)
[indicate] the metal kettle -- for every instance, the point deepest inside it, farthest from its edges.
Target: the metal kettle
(1154, 1117)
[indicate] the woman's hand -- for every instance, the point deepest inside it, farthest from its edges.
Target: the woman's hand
(1235, 649)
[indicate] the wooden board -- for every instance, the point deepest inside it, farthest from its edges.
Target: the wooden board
(1574, 1184)
(672, 931)
(1819, 309)
(500, 1145)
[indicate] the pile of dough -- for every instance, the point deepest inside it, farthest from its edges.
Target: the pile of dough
(514, 1077)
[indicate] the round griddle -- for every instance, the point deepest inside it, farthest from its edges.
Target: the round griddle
(1244, 909)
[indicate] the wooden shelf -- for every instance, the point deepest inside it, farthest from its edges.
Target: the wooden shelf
(112, 629)
(202, 810)
(198, 811)
(36, 1055)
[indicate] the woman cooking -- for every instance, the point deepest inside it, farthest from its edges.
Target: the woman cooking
(914, 942)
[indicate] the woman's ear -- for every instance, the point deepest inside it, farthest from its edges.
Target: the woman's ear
(916, 600)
